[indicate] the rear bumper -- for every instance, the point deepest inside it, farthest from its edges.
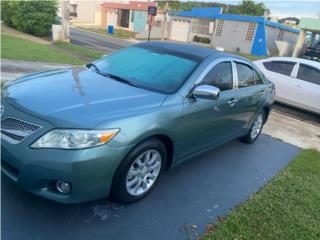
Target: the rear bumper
(90, 171)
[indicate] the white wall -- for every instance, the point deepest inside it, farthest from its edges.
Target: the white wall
(112, 17)
(233, 37)
(88, 12)
(289, 38)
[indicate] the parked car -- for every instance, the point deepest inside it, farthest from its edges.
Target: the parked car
(111, 127)
(297, 81)
(312, 53)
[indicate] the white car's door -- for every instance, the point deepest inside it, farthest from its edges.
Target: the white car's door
(280, 73)
(305, 88)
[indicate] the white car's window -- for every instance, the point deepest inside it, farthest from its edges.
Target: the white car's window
(220, 76)
(281, 67)
(245, 75)
(309, 74)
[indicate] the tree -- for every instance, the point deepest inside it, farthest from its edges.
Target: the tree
(249, 7)
(34, 17)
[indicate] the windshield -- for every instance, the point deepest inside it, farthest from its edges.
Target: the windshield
(152, 69)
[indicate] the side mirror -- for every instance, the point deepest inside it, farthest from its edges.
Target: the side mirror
(206, 92)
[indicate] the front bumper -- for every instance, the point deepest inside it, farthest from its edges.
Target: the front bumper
(90, 171)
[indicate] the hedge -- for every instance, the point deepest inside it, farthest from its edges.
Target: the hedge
(33, 17)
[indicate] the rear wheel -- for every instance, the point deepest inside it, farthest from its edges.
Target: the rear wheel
(255, 129)
(139, 172)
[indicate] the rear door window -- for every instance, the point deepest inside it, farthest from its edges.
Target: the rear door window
(281, 67)
(245, 75)
(257, 78)
(309, 74)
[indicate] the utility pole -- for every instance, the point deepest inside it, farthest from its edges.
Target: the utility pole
(65, 22)
(164, 27)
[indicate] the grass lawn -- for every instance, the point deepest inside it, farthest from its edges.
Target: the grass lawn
(288, 207)
(16, 48)
(76, 50)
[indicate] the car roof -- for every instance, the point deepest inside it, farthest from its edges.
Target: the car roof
(292, 59)
(189, 49)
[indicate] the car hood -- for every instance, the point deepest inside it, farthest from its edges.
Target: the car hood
(78, 97)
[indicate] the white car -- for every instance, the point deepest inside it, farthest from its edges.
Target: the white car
(297, 81)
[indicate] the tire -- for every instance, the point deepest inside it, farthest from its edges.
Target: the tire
(141, 166)
(251, 137)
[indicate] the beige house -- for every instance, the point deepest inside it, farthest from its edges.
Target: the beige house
(85, 12)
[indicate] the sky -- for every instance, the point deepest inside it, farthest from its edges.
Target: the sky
(288, 8)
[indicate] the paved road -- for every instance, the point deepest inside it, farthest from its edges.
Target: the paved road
(96, 41)
(193, 193)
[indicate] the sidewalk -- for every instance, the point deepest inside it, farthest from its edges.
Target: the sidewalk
(12, 69)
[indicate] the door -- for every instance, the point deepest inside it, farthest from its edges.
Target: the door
(205, 123)
(249, 96)
(124, 18)
(280, 73)
(139, 21)
(180, 30)
(305, 88)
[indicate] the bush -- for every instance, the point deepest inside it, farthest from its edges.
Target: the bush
(201, 39)
(34, 17)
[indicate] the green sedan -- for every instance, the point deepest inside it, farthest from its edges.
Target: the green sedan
(112, 127)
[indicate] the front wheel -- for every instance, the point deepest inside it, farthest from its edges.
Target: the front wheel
(255, 129)
(139, 172)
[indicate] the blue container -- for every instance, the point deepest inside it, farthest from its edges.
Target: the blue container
(110, 29)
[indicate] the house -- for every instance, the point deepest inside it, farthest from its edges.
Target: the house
(84, 12)
(234, 33)
(132, 16)
(307, 25)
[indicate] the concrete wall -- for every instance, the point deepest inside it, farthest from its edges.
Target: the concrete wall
(88, 12)
(274, 38)
(233, 37)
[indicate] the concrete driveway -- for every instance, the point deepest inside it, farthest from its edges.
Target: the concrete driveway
(186, 199)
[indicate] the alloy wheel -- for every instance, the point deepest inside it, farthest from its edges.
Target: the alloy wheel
(257, 126)
(143, 172)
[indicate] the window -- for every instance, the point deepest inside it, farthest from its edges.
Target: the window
(309, 74)
(220, 76)
(132, 16)
(150, 68)
(257, 78)
(250, 31)
(245, 75)
(280, 67)
(219, 28)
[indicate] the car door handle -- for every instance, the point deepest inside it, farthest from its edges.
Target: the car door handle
(232, 101)
(298, 86)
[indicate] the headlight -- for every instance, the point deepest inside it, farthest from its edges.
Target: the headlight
(74, 139)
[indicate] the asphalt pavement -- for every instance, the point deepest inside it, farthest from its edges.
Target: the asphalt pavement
(96, 41)
(186, 199)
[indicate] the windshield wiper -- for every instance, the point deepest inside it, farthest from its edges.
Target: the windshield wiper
(120, 79)
(109, 75)
(89, 65)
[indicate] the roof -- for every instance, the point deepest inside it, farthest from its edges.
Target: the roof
(134, 5)
(216, 13)
(200, 12)
(196, 51)
(283, 27)
(312, 24)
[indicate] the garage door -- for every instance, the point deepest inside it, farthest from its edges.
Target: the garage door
(180, 30)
